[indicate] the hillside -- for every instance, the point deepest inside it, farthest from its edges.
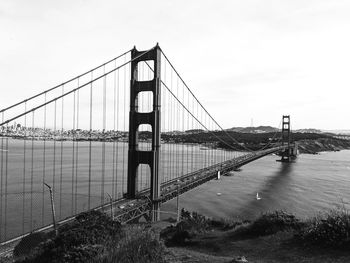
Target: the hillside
(308, 142)
(259, 129)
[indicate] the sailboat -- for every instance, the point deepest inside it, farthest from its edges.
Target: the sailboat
(257, 196)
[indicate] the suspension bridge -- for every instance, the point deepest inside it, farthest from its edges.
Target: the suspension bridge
(123, 137)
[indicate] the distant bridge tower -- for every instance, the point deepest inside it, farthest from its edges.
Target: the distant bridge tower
(136, 118)
(291, 150)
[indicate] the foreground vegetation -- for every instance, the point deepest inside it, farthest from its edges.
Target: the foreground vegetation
(93, 237)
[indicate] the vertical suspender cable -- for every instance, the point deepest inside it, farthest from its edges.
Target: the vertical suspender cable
(177, 128)
(117, 161)
(54, 147)
(32, 175)
(44, 168)
(192, 146)
(77, 157)
(1, 173)
(6, 177)
(114, 132)
(24, 169)
(103, 139)
(170, 132)
(73, 154)
(90, 139)
(188, 128)
(184, 131)
(124, 146)
(61, 161)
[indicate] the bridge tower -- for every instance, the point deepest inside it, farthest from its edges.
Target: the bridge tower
(136, 118)
(291, 149)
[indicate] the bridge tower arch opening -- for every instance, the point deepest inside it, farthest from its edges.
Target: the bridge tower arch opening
(152, 118)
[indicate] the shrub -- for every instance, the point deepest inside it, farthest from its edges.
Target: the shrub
(28, 243)
(270, 223)
(329, 229)
(84, 238)
(228, 223)
(139, 245)
(191, 224)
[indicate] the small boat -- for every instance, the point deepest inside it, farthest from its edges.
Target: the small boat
(257, 196)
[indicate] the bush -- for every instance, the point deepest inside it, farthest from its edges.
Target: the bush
(228, 223)
(139, 245)
(82, 239)
(28, 243)
(270, 223)
(330, 229)
(191, 224)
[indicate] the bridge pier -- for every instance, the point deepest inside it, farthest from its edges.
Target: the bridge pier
(136, 118)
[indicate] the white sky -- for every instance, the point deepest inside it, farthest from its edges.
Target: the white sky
(243, 59)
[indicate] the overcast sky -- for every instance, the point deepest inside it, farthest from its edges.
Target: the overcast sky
(243, 59)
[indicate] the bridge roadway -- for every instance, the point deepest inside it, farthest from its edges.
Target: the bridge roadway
(126, 210)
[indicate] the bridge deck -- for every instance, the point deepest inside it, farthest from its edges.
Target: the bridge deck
(127, 210)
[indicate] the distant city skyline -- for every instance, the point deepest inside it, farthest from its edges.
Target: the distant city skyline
(245, 60)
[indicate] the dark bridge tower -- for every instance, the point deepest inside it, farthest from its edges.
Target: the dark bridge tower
(286, 140)
(136, 118)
